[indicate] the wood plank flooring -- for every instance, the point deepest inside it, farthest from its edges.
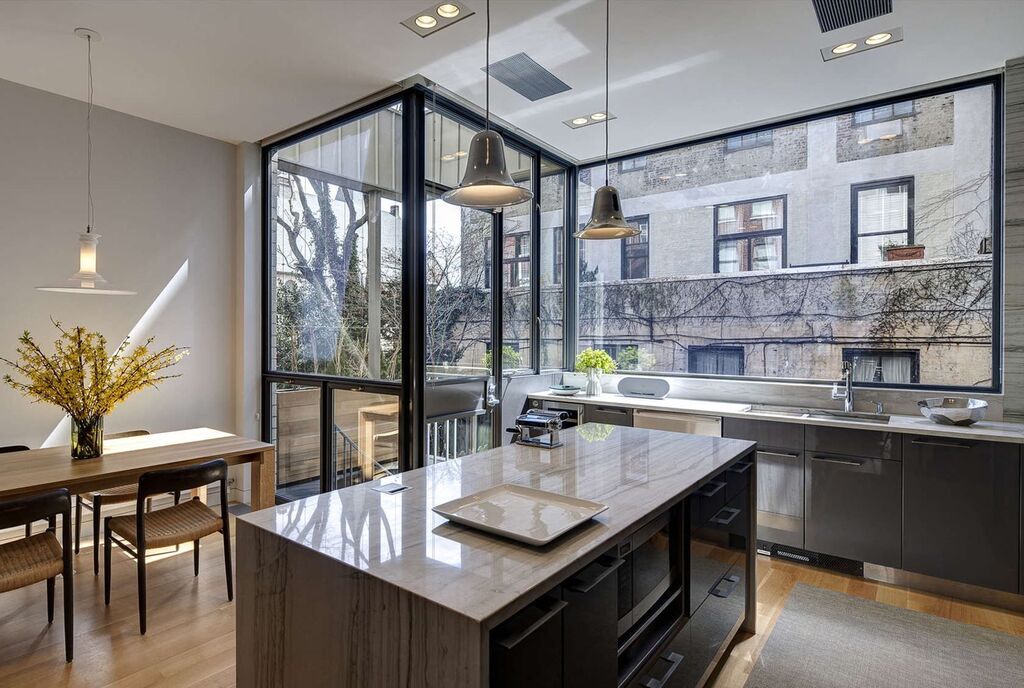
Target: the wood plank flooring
(191, 634)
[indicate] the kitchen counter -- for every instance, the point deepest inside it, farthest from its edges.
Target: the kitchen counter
(375, 585)
(994, 431)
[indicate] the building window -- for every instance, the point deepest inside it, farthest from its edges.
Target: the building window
(884, 113)
(750, 235)
(744, 141)
(897, 367)
(882, 214)
(636, 250)
(516, 257)
(715, 360)
(557, 253)
(633, 164)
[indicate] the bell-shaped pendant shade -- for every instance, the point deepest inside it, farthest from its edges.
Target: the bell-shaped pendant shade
(487, 183)
(606, 218)
(86, 280)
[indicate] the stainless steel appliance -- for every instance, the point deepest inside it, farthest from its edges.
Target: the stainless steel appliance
(646, 575)
(690, 423)
(539, 428)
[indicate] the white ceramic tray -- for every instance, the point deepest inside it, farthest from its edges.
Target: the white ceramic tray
(535, 517)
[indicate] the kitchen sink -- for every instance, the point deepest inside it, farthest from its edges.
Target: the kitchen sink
(804, 412)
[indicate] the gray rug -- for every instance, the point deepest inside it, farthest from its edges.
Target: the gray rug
(827, 639)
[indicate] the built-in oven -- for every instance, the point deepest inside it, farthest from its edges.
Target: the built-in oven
(646, 575)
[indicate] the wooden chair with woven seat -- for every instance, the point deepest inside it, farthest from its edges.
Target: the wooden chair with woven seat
(41, 557)
(173, 525)
(95, 501)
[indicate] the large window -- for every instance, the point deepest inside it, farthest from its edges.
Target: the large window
(750, 235)
(777, 249)
(636, 250)
(553, 179)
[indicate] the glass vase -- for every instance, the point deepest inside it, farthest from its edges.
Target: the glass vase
(593, 382)
(86, 437)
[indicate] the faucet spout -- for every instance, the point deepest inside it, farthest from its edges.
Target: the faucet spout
(847, 392)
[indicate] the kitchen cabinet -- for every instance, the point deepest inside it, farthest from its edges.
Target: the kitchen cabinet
(873, 444)
(690, 423)
(962, 510)
(611, 415)
(590, 638)
(853, 507)
(526, 650)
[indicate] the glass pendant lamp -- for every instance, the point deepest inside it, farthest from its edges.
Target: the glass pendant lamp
(87, 280)
(486, 184)
(606, 218)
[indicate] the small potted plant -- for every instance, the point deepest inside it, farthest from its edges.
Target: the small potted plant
(892, 251)
(85, 380)
(593, 362)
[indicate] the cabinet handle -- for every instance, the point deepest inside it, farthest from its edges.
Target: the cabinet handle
(611, 409)
(511, 641)
(740, 468)
(577, 585)
(711, 489)
(783, 455)
(674, 659)
(946, 445)
(843, 462)
(725, 520)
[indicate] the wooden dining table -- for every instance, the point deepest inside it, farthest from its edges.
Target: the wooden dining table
(125, 459)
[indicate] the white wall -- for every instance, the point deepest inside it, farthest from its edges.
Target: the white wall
(166, 203)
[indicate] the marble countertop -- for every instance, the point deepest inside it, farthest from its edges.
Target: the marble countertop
(995, 431)
(398, 539)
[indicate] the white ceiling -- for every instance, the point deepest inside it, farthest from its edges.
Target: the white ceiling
(242, 70)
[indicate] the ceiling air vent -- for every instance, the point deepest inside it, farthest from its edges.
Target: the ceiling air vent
(835, 14)
(527, 78)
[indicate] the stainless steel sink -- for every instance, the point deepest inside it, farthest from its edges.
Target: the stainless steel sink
(804, 412)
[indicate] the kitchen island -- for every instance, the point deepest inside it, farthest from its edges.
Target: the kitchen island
(361, 588)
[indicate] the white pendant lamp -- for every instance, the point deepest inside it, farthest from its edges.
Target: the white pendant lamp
(487, 184)
(87, 280)
(606, 218)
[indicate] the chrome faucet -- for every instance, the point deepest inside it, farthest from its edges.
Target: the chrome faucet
(847, 394)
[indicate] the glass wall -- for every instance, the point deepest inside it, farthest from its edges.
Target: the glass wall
(865, 236)
(552, 264)
(294, 416)
(365, 435)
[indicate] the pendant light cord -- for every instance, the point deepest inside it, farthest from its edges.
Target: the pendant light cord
(88, 144)
(487, 70)
(607, 42)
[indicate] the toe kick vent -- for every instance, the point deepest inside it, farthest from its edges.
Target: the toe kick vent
(522, 74)
(835, 14)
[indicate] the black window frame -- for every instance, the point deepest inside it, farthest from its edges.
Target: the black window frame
(855, 234)
(849, 353)
(624, 253)
(783, 232)
(715, 349)
(749, 140)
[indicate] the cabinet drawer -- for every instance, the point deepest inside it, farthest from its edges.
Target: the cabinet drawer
(707, 501)
(590, 632)
(765, 432)
(854, 508)
(527, 649)
(871, 444)
(611, 415)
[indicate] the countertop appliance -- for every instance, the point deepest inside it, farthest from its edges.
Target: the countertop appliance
(644, 387)
(539, 428)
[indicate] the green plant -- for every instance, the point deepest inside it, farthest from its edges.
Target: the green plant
(510, 358)
(634, 358)
(594, 359)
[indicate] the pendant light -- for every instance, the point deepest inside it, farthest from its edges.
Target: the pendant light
(606, 218)
(87, 280)
(487, 184)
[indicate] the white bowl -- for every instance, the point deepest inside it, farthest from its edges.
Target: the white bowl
(953, 410)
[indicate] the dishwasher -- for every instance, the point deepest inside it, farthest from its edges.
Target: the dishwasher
(690, 423)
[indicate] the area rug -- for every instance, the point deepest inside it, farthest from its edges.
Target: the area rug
(827, 639)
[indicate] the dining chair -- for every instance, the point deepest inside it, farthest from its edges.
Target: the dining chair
(94, 502)
(173, 525)
(41, 557)
(8, 450)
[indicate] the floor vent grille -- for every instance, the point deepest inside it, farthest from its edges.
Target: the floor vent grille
(835, 14)
(522, 74)
(801, 556)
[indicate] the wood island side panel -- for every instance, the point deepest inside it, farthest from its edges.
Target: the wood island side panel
(304, 619)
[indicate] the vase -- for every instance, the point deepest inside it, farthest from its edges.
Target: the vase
(593, 382)
(86, 437)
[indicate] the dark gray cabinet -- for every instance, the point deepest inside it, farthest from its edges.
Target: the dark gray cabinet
(526, 650)
(853, 507)
(962, 510)
(611, 415)
(590, 636)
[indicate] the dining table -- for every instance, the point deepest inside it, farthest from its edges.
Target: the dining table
(125, 459)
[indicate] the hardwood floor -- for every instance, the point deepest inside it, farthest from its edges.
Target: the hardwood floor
(191, 637)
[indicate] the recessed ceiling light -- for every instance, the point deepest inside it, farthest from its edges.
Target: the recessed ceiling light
(855, 46)
(448, 10)
(878, 38)
(588, 120)
(436, 17)
(598, 116)
(840, 49)
(580, 121)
